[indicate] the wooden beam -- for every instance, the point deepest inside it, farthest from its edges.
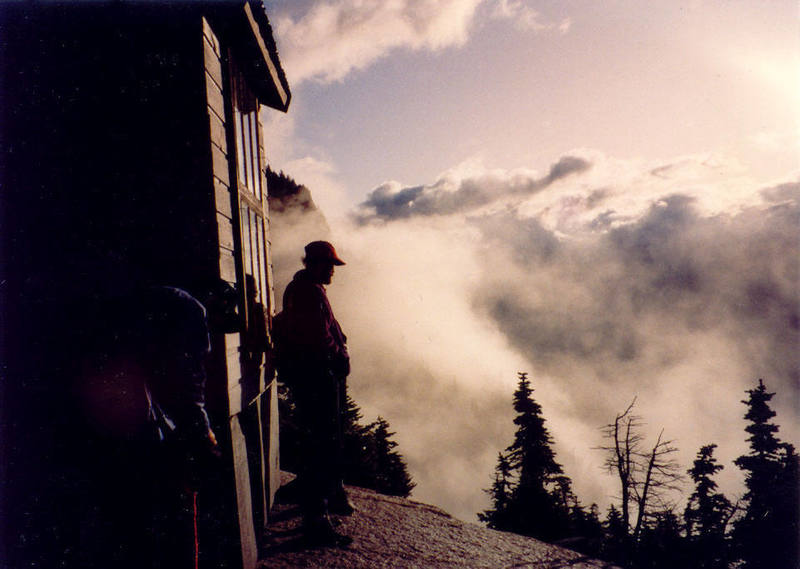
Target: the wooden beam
(273, 71)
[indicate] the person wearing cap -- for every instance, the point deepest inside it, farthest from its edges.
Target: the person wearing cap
(319, 365)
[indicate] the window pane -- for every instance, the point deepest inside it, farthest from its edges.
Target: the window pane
(240, 164)
(247, 259)
(263, 242)
(246, 147)
(254, 250)
(256, 161)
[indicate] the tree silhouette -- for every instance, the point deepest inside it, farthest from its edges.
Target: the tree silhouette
(586, 525)
(357, 453)
(530, 494)
(280, 184)
(766, 534)
(645, 476)
(615, 545)
(661, 545)
(622, 457)
(391, 473)
(497, 517)
(707, 514)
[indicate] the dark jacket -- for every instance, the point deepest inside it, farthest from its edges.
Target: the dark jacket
(173, 342)
(315, 340)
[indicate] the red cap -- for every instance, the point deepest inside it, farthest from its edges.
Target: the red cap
(322, 251)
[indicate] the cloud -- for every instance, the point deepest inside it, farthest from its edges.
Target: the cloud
(683, 309)
(330, 40)
(320, 175)
(633, 298)
(325, 41)
(526, 18)
(675, 282)
(450, 195)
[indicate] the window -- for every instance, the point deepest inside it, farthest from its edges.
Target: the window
(245, 110)
(250, 183)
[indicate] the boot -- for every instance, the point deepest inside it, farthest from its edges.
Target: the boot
(340, 504)
(319, 531)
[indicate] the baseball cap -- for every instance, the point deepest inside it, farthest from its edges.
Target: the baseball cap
(322, 251)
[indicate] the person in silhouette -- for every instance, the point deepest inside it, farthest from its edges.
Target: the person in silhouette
(149, 437)
(172, 345)
(317, 365)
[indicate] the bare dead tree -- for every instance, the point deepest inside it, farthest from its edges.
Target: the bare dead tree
(661, 475)
(646, 476)
(621, 453)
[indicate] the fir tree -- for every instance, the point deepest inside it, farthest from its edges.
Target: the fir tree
(586, 528)
(392, 476)
(531, 453)
(280, 184)
(766, 534)
(707, 514)
(357, 453)
(535, 504)
(497, 517)
(615, 544)
(661, 545)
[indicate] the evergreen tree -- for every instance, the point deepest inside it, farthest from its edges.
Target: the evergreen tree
(534, 510)
(531, 453)
(536, 505)
(392, 476)
(280, 184)
(707, 514)
(586, 528)
(766, 535)
(357, 450)
(661, 545)
(497, 517)
(615, 544)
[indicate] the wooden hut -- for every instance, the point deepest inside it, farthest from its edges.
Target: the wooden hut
(133, 152)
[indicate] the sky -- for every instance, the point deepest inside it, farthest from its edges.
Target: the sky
(602, 194)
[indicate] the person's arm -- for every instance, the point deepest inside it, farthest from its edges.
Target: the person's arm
(314, 331)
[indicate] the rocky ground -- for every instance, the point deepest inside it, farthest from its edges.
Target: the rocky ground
(397, 533)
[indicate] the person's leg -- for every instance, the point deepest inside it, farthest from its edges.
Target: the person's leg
(319, 474)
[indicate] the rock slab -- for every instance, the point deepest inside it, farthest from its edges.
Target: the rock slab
(396, 533)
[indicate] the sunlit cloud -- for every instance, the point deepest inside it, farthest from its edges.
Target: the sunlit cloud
(320, 174)
(450, 194)
(332, 39)
(526, 18)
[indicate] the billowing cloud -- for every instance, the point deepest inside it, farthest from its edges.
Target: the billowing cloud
(449, 195)
(327, 40)
(331, 39)
(674, 282)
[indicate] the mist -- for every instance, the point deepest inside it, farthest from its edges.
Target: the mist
(673, 282)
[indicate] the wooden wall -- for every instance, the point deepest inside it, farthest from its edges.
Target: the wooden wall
(115, 173)
(247, 462)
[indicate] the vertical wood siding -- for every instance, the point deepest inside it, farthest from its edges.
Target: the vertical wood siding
(220, 155)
